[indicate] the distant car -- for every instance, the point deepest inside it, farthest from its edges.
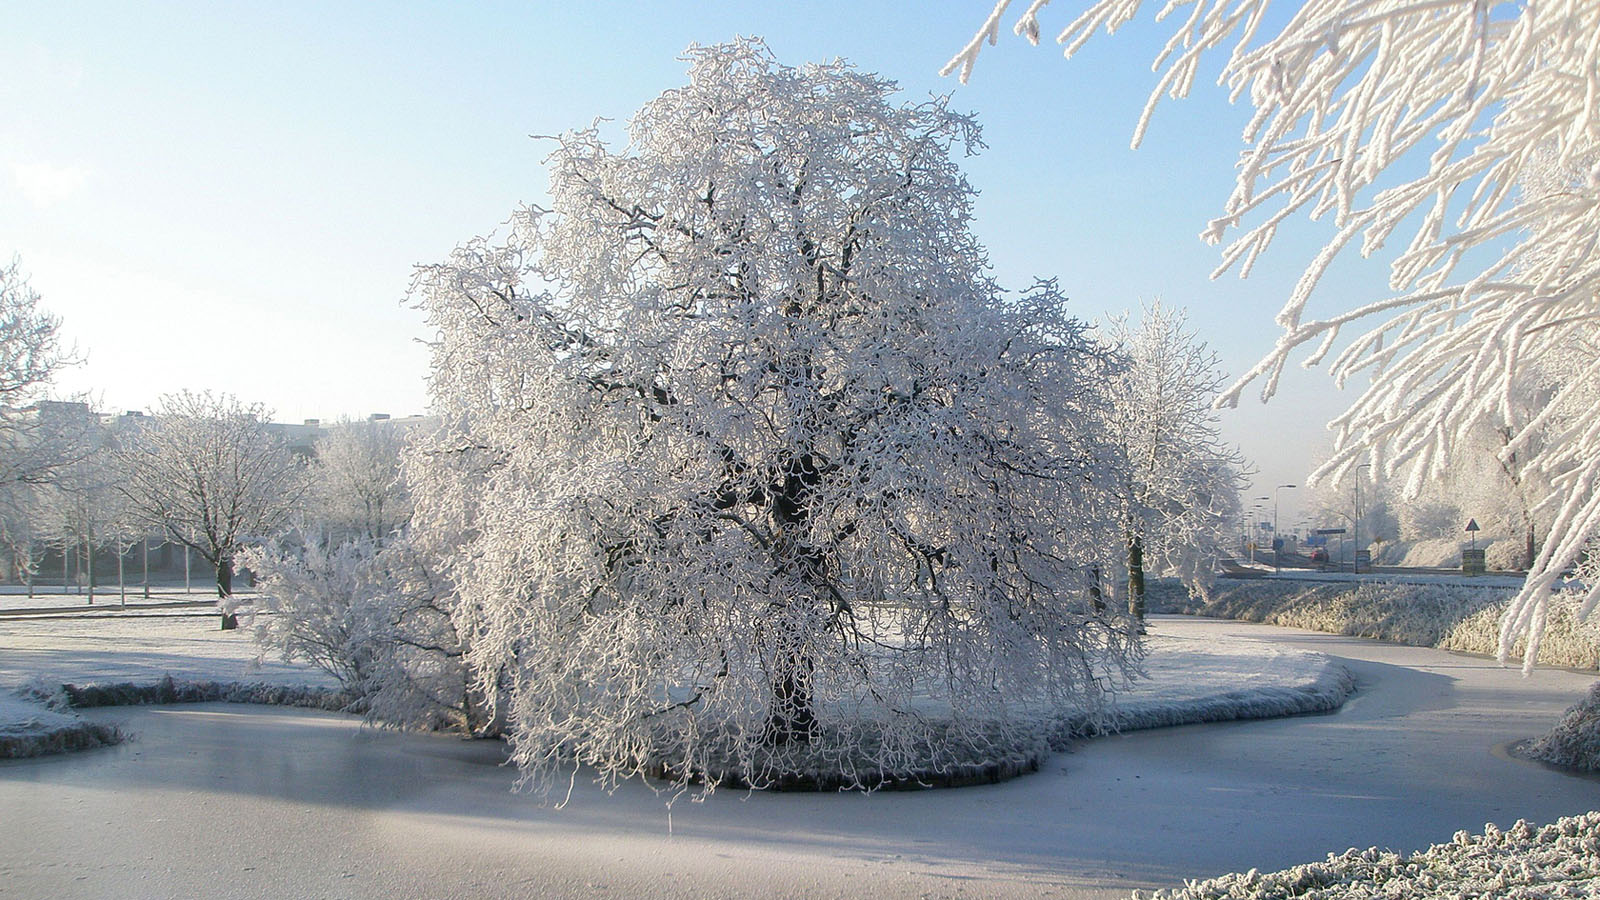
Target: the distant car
(1319, 556)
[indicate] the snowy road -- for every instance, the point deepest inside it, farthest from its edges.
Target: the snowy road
(221, 801)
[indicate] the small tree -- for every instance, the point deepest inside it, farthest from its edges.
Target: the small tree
(358, 483)
(1180, 488)
(20, 530)
(756, 466)
(209, 474)
(83, 509)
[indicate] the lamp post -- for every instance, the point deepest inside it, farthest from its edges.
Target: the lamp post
(1255, 517)
(1355, 525)
(1275, 553)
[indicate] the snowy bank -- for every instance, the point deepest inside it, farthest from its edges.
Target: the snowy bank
(1445, 615)
(1575, 741)
(1558, 860)
(28, 729)
(1188, 679)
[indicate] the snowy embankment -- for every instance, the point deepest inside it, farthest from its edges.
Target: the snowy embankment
(1188, 679)
(33, 729)
(50, 665)
(1444, 614)
(1558, 860)
(1575, 741)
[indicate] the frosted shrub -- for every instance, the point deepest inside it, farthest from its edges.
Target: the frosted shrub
(1575, 741)
(1557, 860)
(378, 620)
(754, 471)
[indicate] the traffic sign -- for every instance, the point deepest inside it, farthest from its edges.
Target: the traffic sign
(1330, 531)
(1472, 525)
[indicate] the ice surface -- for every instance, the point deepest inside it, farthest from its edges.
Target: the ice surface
(223, 800)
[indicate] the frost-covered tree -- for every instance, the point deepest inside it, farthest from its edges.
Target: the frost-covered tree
(1473, 125)
(34, 440)
(759, 473)
(20, 531)
(207, 473)
(81, 509)
(358, 483)
(1180, 488)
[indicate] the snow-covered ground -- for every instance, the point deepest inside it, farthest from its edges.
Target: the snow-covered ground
(107, 599)
(222, 800)
(187, 644)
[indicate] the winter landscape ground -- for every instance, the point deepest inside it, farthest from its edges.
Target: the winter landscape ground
(237, 800)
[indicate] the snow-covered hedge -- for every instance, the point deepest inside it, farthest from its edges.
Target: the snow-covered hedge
(1444, 616)
(1575, 741)
(177, 690)
(1559, 860)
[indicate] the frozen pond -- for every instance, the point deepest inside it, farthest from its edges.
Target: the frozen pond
(221, 800)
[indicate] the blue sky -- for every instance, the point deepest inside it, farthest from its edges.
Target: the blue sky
(232, 196)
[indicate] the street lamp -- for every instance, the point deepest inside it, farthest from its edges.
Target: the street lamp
(1254, 518)
(1275, 552)
(1355, 526)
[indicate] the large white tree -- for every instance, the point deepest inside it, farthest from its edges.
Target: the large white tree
(1472, 124)
(1181, 485)
(759, 472)
(208, 473)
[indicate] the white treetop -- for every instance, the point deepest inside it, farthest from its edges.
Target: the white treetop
(359, 486)
(33, 442)
(758, 470)
(1493, 106)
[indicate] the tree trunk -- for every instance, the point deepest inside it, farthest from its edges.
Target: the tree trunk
(1136, 576)
(792, 719)
(230, 620)
(792, 716)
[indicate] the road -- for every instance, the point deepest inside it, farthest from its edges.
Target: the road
(228, 801)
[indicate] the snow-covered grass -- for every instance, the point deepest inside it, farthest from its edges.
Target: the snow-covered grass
(1575, 741)
(1446, 614)
(141, 649)
(1558, 860)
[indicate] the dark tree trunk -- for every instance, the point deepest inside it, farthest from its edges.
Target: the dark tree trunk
(1136, 576)
(792, 716)
(792, 719)
(230, 620)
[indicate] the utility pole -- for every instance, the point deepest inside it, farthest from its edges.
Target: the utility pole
(1355, 537)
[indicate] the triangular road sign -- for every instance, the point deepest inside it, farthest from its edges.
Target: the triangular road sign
(1472, 525)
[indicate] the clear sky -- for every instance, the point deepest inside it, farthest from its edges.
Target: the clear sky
(233, 196)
